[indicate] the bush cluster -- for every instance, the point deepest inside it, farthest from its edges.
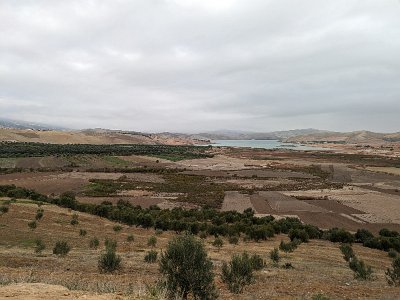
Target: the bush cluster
(393, 273)
(109, 261)
(207, 221)
(239, 271)
(289, 246)
(61, 248)
(187, 270)
(151, 256)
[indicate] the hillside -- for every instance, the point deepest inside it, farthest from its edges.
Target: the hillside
(92, 136)
(29, 275)
(356, 137)
(248, 135)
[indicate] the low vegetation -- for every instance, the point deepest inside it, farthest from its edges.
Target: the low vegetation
(151, 256)
(187, 270)
(208, 221)
(94, 243)
(393, 273)
(360, 269)
(61, 248)
(238, 272)
(39, 246)
(14, 149)
(109, 261)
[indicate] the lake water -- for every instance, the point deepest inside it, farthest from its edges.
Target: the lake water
(264, 144)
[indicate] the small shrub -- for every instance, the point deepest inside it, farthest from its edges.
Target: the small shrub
(203, 235)
(347, 251)
(257, 262)
(74, 220)
(61, 248)
(274, 255)
(218, 243)
(39, 214)
(289, 246)
(233, 240)
(39, 246)
(392, 253)
(82, 232)
(94, 243)
(363, 235)
(337, 235)
(287, 266)
(388, 233)
(360, 269)
(238, 273)
(109, 261)
(117, 228)
(187, 269)
(320, 297)
(159, 232)
(151, 256)
(130, 238)
(32, 225)
(3, 209)
(152, 241)
(299, 234)
(110, 244)
(393, 274)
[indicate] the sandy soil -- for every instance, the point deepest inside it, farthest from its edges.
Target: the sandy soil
(40, 291)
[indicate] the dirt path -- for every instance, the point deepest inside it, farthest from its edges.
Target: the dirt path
(40, 291)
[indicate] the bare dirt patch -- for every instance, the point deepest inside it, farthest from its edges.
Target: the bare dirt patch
(334, 206)
(260, 204)
(236, 201)
(282, 203)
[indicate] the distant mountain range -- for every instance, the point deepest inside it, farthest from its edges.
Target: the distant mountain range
(249, 135)
(15, 124)
(355, 137)
(36, 132)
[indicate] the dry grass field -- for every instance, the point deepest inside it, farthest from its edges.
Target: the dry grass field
(318, 265)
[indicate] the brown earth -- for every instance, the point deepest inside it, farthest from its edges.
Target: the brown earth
(96, 136)
(318, 265)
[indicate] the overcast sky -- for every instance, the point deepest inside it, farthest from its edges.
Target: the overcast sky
(196, 65)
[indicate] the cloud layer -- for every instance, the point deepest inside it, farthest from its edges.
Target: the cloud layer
(196, 65)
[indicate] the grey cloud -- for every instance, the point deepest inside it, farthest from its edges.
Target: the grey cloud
(195, 65)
